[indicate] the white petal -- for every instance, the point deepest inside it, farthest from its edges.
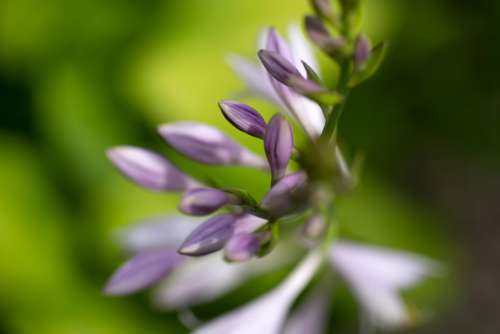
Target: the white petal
(266, 315)
(301, 49)
(158, 233)
(311, 316)
(185, 288)
(376, 275)
(262, 39)
(310, 115)
(248, 224)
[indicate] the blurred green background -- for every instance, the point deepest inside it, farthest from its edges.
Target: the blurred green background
(77, 77)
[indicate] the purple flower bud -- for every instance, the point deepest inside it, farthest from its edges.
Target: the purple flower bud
(244, 118)
(362, 52)
(149, 169)
(278, 143)
(203, 201)
(278, 66)
(323, 8)
(208, 145)
(242, 247)
(141, 271)
(275, 43)
(209, 236)
(286, 196)
(314, 227)
(321, 37)
(285, 72)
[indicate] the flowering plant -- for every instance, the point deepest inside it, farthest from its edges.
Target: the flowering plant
(182, 253)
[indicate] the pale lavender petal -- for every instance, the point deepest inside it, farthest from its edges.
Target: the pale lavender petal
(255, 78)
(301, 50)
(242, 247)
(149, 169)
(248, 223)
(142, 271)
(306, 112)
(157, 233)
(278, 144)
(376, 275)
(244, 118)
(276, 43)
(311, 116)
(267, 313)
(203, 201)
(312, 314)
(208, 145)
(184, 288)
(209, 236)
(287, 195)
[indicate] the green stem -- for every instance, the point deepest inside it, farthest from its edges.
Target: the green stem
(333, 228)
(330, 130)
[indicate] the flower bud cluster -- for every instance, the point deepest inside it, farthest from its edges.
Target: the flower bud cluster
(243, 227)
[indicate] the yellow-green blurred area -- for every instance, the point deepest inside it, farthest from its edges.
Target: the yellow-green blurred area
(77, 77)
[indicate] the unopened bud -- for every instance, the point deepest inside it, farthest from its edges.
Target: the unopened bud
(244, 118)
(362, 52)
(148, 169)
(324, 9)
(242, 247)
(285, 72)
(278, 144)
(208, 145)
(210, 236)
(287, 195)
(322, 38)
(203, 201)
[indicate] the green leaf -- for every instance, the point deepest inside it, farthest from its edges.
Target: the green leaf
(376, 58)
(311, 74)
(244, 195)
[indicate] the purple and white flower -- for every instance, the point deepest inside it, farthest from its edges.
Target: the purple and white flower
(255, 317)
(306, 112)
(182, 256)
